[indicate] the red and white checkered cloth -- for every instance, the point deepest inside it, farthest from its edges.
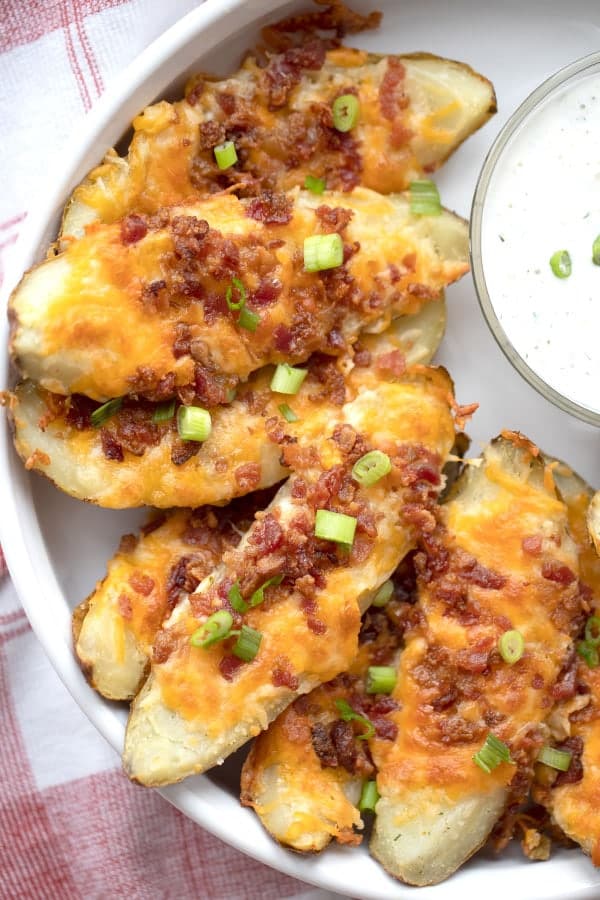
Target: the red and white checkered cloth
(72, 827)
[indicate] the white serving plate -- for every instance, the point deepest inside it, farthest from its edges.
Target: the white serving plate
(57, 547)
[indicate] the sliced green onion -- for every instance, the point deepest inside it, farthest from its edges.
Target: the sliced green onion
(383, 594)
(247, 644)
(288, 414)
(164, 412)
(592, 631)
(333, 526)
(235, 598)
(589, 653)
(345, 111)
(369, 796)
(511, 646)
(315, 185)
(239, 285)
(248, 319)
(216, 628)
(259, 595)
(493, 752)
(104, 412)
(348, 715)
(381, 679)
(371, 467)
(193, 423)
(560, 263)
(596, 251)
(323, 251)
(425, 199)
(556, 759)
(231, 395)
(287, 380)
(225, 155)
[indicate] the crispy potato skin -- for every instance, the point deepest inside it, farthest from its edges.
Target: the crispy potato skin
(106, 317)
(173, 730)
(415, 111)
(74, 459)
(574, 806)
(453, 686)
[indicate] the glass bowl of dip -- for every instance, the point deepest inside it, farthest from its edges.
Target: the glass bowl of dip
(538, 194)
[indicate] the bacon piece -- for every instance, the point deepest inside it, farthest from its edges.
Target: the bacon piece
(270, 209)
(133, 229)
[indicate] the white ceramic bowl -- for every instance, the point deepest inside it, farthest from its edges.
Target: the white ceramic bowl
(56, 547)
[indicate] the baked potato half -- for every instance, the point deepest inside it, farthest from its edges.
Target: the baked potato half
(499, 559)
(133, 461)
(304, 775)
(115, 627)
(572, 794)
(415, 110)
(151, 307)
(200, 704)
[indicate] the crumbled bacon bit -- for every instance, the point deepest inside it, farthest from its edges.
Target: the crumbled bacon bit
(362, 356)
(180, 580)
(133, 229)
(228, 666)
(283, 676)
(284, 70)
(266, 293)
(154, 298)
(183, 337)
(323, 746)
(268, 535)
(552, 570)
(333, 219)
(391, 99)
(80, 411)
(394, 362)
(128, 543)
(247, 476)
(270, 209)
(282, 338)
(153, 524)
(181, 451)
(110, 446)
(164, 645)
(124, 605)
(141, 583)
(565, 686)
(574, 746)
(210, 133)
(532, 544)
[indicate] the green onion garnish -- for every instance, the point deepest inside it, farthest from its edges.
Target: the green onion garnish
(556, 759)
(511, 646)
(225, 155)
(259, 595)
(315, 185)
(216, 628)
(589, 653)
(383, 594)
(596, 251)
(287, 379)
(288, 414)
(381, 679)
(193, 423)
(560, 263)
(104, 412)
(345, 111)
(592, 631)
(333, 526)
(248, 319)
(164, 412)
(425, 199)
(369, 796)
(239, 285)
(235, 598)
(493, 752)
(371, 467)
(348, 715)
(323, 251)
(247, 644)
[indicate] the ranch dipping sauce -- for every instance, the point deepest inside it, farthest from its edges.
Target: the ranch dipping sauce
(543, 196)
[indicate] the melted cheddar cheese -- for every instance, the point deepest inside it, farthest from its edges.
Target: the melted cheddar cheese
(88, 322)
(453, 687)
(187, 705)
(415, 111)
